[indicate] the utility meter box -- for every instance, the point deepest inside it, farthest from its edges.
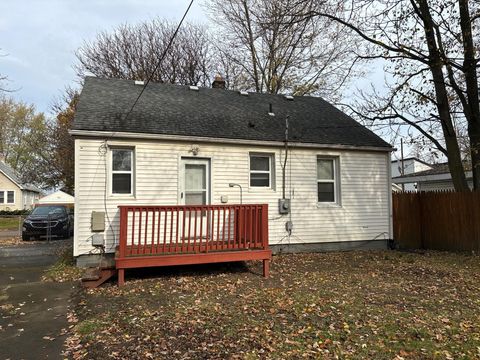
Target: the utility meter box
(98, 221)
(97, 240)
(283, 206)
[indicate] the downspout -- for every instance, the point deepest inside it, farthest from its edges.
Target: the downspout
(389, 194)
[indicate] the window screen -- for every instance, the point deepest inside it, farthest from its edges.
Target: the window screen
(261, 170)
(122, 171)
(327, 180)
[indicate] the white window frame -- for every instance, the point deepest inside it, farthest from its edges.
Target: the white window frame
(335, 181)
(270, 172)
(6, 197)
(131, 172)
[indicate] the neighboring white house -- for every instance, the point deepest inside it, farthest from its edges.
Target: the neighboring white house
(186, 145)
(410, 165)
(437, 178)
(58, 197)
(15, 194)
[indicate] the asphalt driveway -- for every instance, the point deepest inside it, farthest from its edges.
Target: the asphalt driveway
(33, 321)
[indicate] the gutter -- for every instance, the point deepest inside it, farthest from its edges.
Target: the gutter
(411, 158)
(390, 201)
(132, 135)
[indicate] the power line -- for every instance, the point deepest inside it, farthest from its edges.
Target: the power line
(103, 148)
(160, 60)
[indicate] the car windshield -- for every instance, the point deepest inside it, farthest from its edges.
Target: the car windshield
(49, 210)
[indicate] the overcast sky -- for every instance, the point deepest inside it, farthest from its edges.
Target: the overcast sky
(39, 38)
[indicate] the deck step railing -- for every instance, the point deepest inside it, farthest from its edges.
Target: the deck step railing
(168, 230)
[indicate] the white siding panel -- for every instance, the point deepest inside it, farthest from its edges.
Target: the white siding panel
(363, 213)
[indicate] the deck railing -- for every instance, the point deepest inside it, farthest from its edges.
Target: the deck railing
(170, 230)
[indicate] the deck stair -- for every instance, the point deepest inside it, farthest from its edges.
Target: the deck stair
(96, 276)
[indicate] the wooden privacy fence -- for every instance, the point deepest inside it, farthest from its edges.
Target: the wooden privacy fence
(437, 220)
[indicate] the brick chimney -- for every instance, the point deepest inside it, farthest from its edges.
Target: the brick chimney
(219, 82)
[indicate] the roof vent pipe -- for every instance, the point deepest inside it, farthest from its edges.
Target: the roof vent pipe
(270, 110)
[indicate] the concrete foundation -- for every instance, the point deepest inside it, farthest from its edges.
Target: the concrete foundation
(107, 260)
(96, 260)
(331, 246)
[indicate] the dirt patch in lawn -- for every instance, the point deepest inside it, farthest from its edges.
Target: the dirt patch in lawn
(380, 305)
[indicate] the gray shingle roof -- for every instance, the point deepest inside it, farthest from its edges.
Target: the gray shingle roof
(176, 110)
(437, 169)
(10, 173)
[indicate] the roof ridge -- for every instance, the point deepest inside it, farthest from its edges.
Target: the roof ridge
(236, 91)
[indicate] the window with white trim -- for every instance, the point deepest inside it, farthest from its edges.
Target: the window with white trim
(122, 171)
(7, 197)
(327, 180)
(261, 174)
(11, 197)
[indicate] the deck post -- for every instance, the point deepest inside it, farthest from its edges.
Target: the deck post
(265, 226)
(121, 277)
(123, 230)
(266, 268)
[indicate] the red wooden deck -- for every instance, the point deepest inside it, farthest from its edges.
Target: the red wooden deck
(183, 235)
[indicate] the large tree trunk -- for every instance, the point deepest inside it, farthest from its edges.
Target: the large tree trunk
(471, 80)
(441, 96)
(474, 135)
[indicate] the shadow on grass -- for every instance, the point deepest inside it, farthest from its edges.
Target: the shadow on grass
(199, 270)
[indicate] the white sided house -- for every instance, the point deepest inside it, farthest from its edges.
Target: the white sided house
(408, 166)
(58, 197)
(436, 178)
(14, 193)
(185, 145)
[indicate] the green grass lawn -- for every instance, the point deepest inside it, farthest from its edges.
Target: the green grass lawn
(352, 305)
(8, 223)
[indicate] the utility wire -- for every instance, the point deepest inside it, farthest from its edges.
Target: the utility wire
(103, 148)
(158, 63)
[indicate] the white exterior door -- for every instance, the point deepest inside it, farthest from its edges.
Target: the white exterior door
(194, 182)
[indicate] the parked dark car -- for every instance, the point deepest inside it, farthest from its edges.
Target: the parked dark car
(48, 221)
